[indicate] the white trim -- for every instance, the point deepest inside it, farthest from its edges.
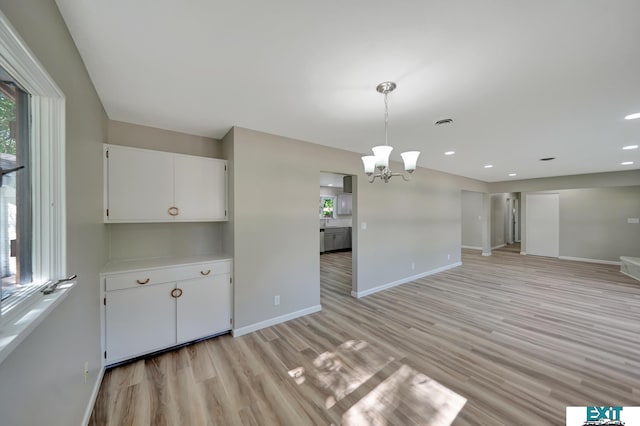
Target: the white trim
(498, 246)
(471, 247)
(22, 323)
(485, 253)
(369, 291)
(630, 276)
(94, 397)
(523, 253)
(583, 259)
(47, 139)
(237, 332)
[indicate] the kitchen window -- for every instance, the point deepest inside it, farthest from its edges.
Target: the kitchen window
(327, 207)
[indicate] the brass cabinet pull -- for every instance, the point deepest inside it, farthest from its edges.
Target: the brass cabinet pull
(207, 272)
(174, 211)
(143, 281)
(176, 292)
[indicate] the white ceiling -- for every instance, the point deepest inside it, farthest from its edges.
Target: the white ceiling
(521, 79)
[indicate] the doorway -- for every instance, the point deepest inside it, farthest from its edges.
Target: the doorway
(337, 211)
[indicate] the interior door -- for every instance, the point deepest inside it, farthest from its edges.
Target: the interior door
(543, 224)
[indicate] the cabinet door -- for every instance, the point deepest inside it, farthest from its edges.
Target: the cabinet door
(140, 320)
(344, 204)
(329, 240)
(204, 307)
(200, 188)
(139, 184)
(341, 239)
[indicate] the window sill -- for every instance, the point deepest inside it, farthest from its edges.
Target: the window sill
(16, 328)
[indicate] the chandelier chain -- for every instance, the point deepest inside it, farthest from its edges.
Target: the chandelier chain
(386, 119)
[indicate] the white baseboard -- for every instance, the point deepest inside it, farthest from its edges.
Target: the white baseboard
(237, 332)
(629, 275)
(498, 246)
(94, 396)
(484, 253)
(471, 247)
(367, 292)
(582, 259)
(524, 253)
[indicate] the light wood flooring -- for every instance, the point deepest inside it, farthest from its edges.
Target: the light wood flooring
(519, 337)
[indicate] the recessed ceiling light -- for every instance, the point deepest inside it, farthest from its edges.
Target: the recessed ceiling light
(632, 116)
(630, 147)
(488, 166)
(627, 163)
(547, 158)
(453, 152)
(443, 121)
(513, 174)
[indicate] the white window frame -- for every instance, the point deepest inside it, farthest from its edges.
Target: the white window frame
(47, 139)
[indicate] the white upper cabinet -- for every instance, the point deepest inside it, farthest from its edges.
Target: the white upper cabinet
(142, 185)
(200, 187)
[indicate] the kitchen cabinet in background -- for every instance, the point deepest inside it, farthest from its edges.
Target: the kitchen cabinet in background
(345, 204)
(337, 239)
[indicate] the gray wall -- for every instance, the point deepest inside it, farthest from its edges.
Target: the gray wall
(593, 223)
(41, 382)
(135, 240)
(276, 242)
(592, 180)
(472, 219)
(593, 212)
(129, 134)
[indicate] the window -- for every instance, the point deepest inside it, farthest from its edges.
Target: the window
(32, 207)
(15, 194)
(327, 210)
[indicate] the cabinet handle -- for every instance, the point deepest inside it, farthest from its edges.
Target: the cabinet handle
(207, 272)
(143, 281)
(174, 211)
(176, 292)
(180, 292)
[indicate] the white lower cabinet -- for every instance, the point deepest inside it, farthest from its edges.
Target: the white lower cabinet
(200, 309)
(150, 309)
(140, 320)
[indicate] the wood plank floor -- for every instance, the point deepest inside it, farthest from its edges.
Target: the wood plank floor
(518, 337)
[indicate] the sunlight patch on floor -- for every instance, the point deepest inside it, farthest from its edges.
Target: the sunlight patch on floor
(406, 396)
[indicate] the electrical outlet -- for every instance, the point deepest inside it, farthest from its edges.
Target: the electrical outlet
(86, 371)
(276, 300)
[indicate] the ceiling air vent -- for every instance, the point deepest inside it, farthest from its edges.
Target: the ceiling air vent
(444, 121)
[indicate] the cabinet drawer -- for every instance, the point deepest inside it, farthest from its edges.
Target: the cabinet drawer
(163, 275)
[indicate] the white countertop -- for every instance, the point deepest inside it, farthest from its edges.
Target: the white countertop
(117, 266)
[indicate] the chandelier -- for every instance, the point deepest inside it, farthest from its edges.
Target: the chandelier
(380, 158)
